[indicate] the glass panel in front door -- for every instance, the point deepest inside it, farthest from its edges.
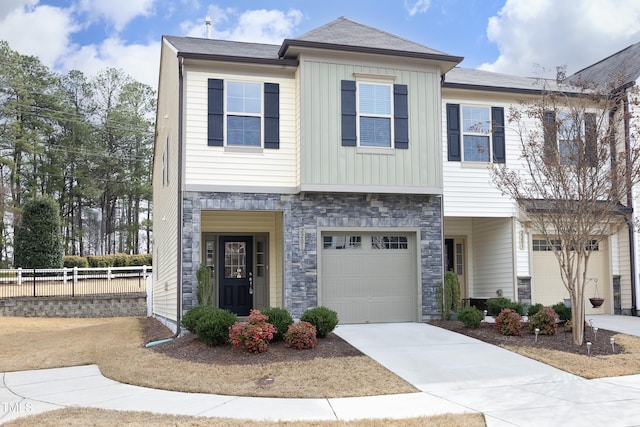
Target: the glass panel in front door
(235, 260)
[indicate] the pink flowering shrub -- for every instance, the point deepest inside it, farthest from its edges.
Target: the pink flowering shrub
(301, 335)
(254, 335)
(509, 322)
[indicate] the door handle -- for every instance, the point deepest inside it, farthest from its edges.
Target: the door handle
(250, 283)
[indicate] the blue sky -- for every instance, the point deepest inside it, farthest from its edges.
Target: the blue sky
(509, 36)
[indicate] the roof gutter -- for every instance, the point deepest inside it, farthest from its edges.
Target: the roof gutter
(180, 195)
(363, 49)
(286, 62)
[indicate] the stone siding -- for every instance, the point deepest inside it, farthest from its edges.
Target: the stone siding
(81, 306)
(309, 213)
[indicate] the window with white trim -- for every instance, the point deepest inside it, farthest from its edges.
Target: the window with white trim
(476, 134)
(375, 113)
(244, 114)
(341, 242)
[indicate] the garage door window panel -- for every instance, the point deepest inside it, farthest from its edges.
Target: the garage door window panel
(389, 242)
(342, 242)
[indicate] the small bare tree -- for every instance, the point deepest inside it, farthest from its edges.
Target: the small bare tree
(579, 162)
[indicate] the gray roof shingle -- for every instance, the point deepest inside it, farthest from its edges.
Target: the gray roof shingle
(344, 34)
(623, 65)
(467, 78)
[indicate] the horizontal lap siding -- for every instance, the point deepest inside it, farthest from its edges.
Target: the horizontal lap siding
(165, 198)
(326, 161)
(468, 190)
(207, 165)
(493, 257)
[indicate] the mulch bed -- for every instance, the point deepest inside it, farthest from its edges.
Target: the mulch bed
(190, 348)
(562, 341)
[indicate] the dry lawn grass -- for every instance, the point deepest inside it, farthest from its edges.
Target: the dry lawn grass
(590, 367)
(115, 345)
(81, 417)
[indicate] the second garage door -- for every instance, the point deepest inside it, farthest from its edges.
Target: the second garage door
(369, 277)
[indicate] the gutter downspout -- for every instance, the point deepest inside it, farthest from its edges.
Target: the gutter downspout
(180, 194)
(630, 225)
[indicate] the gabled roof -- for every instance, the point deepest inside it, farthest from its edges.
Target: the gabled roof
(346, 35)
(196, 48)
(624, 65)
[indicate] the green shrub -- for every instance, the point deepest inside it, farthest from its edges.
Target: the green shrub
(496, 305)
(564, 312)
(301, 335)
(324, 319)
(253, 335)
(471, 317)
(37, 237)
(205, 287)
(190, 318)
(509, 322)
(449, 295)
(139, 260)
(213, 326)
(71, 261)
(280, 319)
(534, 309)
(546, 319)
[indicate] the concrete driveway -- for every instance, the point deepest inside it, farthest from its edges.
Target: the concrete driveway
(511, 390)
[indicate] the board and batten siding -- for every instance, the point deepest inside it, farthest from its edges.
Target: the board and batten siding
(493, 257)
(165, 192)
(218, 167)
(468, 190)
(325, 162)
(623, 265)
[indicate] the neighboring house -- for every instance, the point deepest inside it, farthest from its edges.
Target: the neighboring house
(302, 174)
(623, 67)
(488, 240)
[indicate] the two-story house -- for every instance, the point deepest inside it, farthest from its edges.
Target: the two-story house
(302, 174)
(489, 241)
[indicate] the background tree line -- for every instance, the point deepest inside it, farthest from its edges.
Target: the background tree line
(86, 142)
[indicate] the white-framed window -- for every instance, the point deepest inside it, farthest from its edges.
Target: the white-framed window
(570, 135)
(375, 114)
(476, 133)
(244, 114)
(389, 242)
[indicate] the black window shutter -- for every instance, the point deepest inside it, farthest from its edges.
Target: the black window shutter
(271, 115)
(453, 133)
(497, 118)
(348, 104)
(215, 111)
(591, 139)
(550, 136)
(401, 116)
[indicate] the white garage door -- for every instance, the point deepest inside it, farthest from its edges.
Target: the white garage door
(369, 277)
(548, 288)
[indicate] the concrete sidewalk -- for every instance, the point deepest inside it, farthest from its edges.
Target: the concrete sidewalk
(455, 374)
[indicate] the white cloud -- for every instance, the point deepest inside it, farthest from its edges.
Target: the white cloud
(7, 6)
(258, 26)
(415, 7)
(549, 33)
(140, 61)
(117, 12)
(48, 28)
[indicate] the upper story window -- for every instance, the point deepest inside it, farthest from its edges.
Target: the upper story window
(244, 114)
(248, 111)
(374, 114)
(570, 138)
(475, 133)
